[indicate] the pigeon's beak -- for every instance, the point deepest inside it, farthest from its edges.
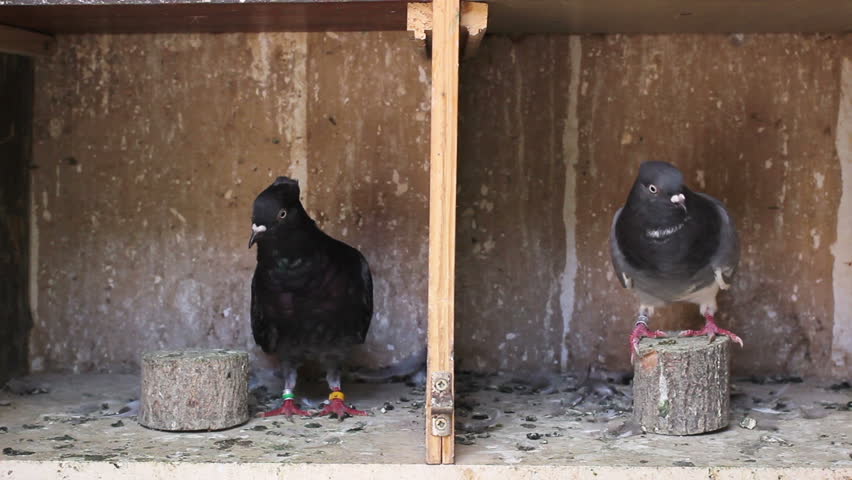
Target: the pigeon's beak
(679, 200)
(255, 231)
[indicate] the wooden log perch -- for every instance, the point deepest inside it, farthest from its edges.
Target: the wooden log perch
(681, 385)
(191, 390)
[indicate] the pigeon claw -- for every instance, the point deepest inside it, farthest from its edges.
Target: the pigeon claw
(339, 409)
(288, 409)
(639, 332)
(711, 330)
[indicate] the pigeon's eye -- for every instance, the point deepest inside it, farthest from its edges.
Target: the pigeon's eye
(282, 214)
(652, 189)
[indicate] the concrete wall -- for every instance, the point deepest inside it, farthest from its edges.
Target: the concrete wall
(16, 110)
(151, 149)
(756, 121)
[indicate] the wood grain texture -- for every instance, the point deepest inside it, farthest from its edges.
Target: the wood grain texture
(681, 386)
(442, 206)
(188, 390)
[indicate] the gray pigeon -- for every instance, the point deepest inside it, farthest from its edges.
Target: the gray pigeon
(670, 244)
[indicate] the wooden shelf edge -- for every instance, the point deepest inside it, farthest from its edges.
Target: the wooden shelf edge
(296, 16)
(24, 42)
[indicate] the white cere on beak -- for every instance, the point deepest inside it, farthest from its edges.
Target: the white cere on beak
(258, 228)
(679, 198)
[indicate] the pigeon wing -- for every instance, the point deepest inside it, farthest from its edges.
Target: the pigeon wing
(366, 302)
(727, 255)
(619, 262)
(347, 298)
(264, 332)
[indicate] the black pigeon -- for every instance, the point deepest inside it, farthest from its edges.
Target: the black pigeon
(311, 295)
(670, 244)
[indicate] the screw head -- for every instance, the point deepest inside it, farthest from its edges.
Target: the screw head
(441, 385)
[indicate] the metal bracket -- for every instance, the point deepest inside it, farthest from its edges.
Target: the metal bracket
(441, 403)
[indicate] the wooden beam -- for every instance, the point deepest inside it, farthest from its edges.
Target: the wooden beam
(474, 21)
(24, 42)
(167, 16)
(442, 219)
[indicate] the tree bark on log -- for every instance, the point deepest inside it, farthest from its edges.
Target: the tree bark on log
(191, 390)
(681, 385)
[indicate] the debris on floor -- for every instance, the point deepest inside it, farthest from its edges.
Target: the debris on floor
(501, 419)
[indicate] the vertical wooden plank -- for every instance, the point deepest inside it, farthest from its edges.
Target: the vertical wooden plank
(442, 209)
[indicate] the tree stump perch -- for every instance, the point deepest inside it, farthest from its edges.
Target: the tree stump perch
(681, 385)
(190, 390)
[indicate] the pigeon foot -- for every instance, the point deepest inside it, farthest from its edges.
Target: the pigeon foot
(337, 408)
(288, 408)
(711, 330)
(639, 331)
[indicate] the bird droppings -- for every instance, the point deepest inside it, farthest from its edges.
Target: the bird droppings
(845, 385)
(230, 442)
(775, 440)
(26, 387)
(13, 452)
(359, 427)
(748, 423)
(575, 421)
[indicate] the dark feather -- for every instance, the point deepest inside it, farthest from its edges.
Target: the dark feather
(679, 255)
(310, 292)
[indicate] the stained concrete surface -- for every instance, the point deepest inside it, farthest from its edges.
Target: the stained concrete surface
(553, 129)
(150, 149)
(72, 422)
(556, 420)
